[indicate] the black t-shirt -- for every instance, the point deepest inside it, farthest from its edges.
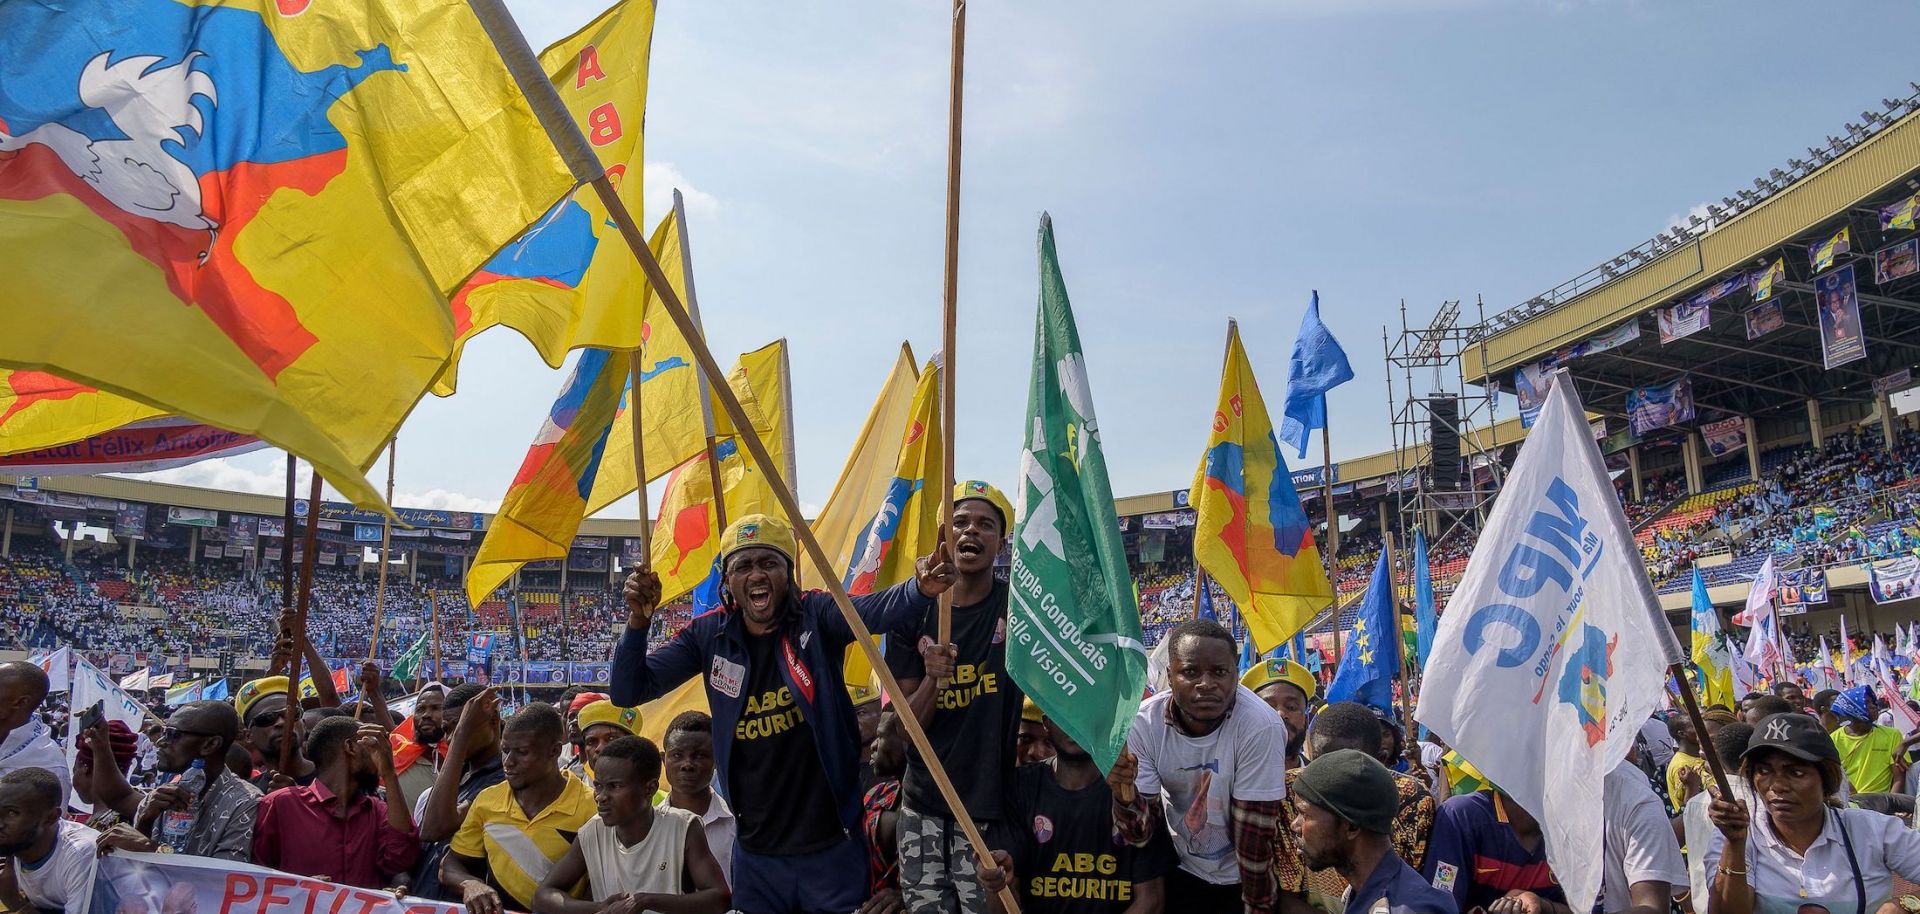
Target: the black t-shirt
(976, 720)
(780, 794)
(1065, 853)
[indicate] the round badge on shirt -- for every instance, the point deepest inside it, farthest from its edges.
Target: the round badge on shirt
(1043, 828)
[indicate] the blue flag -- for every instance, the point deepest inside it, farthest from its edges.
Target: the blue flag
(706, 594)
(1318, 365)
(218, 691)
(1368, 664)
(1206, 600)
(1425, 620)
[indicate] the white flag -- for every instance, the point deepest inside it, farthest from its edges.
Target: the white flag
(1552, 652)
(57, 665)
(91, 686)
(136, 681)
(1759, 596)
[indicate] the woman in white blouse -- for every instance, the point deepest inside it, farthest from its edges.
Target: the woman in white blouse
(1796, 852)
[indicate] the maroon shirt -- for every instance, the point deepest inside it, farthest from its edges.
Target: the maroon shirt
(297, 831)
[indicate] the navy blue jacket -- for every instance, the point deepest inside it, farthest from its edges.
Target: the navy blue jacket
(716, 645)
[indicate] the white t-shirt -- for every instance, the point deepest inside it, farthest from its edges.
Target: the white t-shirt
(65, 880)
(651, 867)
(32, 746)
(1198, 778)
(1639, 840)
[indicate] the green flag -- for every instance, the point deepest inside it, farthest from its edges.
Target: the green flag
(1074, 616)
(407, 666)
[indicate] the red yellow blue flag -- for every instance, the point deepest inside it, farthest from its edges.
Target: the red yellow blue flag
(1251, 534)
(542, 510)
(568, 281)
(252, 213)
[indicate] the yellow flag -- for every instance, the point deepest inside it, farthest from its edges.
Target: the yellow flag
(885, 512)
(687, 530)
(257, 210)
(658, 714)
(1250, 533)
(672, 420)
(863, 481)
(569, 281)
(39, 410)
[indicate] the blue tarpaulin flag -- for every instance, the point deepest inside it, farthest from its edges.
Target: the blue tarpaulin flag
(1369, 662)
(1424, 619)
(218, 691)
(1318, 365)
(1206, 600)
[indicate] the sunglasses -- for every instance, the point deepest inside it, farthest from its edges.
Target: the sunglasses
(268, 719)
(172, 733)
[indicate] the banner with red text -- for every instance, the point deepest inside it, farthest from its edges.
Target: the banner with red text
(142, 447)
(165, 884)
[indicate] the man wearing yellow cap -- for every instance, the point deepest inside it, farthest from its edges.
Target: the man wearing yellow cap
(1286, 686)
(970, 708)
(600, 723)
(784, 730)
(262, 705)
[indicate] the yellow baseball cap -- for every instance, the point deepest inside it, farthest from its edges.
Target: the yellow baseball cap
(251, 693)
(610, 714)
(1280, 669)
(974, 488)
(1030, 711)
(862, 694)
(757, 530)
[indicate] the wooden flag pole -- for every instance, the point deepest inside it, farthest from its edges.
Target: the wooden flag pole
(1326, 495)
(433, 608)
(706, 396)
(950, 292)
(286, 545)
(635, 371)
(310, 543)
(585, 165)
(1400, 646)
(1679, 673)
(386, 543)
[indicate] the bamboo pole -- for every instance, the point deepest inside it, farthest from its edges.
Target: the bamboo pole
(386, 543)
(312, 547)
(635, 370)
(706, 396)
(950, 292)
(585, 165)
(286, 545)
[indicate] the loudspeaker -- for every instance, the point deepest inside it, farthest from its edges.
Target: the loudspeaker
(1443, 432)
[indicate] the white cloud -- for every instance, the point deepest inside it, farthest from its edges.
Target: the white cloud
(1684, 221)
(662, 179)
(226, 475)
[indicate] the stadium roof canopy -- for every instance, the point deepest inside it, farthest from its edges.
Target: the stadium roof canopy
(1842, 185)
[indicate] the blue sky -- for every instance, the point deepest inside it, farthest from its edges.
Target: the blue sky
(1200, 161)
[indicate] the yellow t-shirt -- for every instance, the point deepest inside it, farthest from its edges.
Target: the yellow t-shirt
(519, 851)
(1677, 767)
(1867, 760)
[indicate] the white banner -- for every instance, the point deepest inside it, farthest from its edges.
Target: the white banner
(176, 882)
(1552, 652)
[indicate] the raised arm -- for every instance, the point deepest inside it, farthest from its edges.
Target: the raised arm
(442, 817)
(639, 676)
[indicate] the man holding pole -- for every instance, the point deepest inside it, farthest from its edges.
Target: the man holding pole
(785, 735)
(970, 707)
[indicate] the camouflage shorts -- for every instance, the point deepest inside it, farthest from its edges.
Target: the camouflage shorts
(937, 871)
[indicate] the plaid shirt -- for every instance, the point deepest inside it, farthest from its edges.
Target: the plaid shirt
(1412, 825)
(881, 798)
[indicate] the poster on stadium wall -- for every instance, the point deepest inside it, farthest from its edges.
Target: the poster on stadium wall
(1893, 579)
(180, 884)
(243, 527)
(213, 535)
(1842, 337)
(1166, 520)
(130, 520)
(142, 447)
(412, 517)
(1763, 319)
(587, 561)
(1803, 586)
(457, 536)
(546, 672)
(212, 552)
(1896, 262)
(629, 552)
(1725, 436)
(29, 494)
(1530, 386)
(366, 533)
(1821, 255)
(1764, 281)
(1660, 405)
(1893, 383)
(589, 542)
(273, 527)
(1683, 320)
(1314, 477)
(1898, 216)
(193, 517)
(590, 673)
(1599, 342)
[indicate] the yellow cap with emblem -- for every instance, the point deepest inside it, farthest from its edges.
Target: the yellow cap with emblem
(862, 694)
(763, 530)
(606, 713)
(1280, 669)
(251, 693)
(974, 488)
